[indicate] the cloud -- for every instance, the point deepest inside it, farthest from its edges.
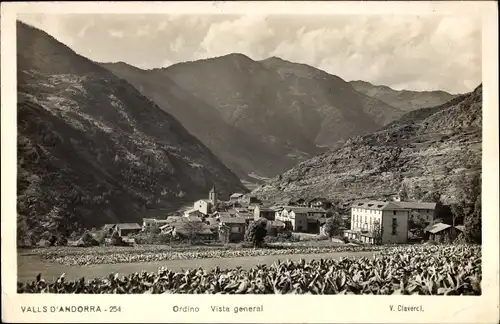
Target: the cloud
(116, 33)
(143, 31)
(247, 34)
(50, 24)
(177, 44)
(85, 28)
(162, 25)
(414, 52)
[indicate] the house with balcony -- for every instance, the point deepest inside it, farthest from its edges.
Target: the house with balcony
(385, 222)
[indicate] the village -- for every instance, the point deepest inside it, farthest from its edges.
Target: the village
(360, 222)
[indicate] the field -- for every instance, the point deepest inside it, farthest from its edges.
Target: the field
(418, 269)
(74, 256)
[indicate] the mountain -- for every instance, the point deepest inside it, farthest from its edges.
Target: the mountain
(93, 150)
(277, 113)
(405, 100)
(427, 150)
(242, 153)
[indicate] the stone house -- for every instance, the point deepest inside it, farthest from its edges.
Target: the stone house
(233, 227)
(264, 212)
(126, 229)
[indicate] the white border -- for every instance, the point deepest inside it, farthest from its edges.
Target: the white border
(296, 309)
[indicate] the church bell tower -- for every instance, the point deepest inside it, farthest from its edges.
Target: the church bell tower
(212, 196)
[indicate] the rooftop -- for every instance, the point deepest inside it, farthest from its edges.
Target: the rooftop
(300, 210)
(129, 226)
(236, 195)
(392, 205)
(233, 220)
(417, 205)
(318, 199)
(436, 228)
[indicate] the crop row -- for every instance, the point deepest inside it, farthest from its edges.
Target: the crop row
(129, 256)
(421, 270)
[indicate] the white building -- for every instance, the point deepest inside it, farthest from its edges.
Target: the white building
(149, 222)
(296, 216)
(392, 216)
(207, 206)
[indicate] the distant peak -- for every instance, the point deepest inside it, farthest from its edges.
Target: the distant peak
(274, 58)
(120, 63)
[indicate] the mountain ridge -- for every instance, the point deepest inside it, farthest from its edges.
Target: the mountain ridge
(406, 100)
(93, 150)
(426, 150)
(288, 118)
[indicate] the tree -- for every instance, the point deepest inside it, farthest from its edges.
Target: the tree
(154, 229)
(192, 229)
(377, 232)
(101, 236)
(403, 192)
(417, 224)
(256, 232)
(62, 240)
(418, 194)
(73, 236)
(472, 224)
(333, 226)
(433, 194)
(87, 240)
(116, 239)
(468, 206)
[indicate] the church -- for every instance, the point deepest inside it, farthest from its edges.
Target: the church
(207, 206)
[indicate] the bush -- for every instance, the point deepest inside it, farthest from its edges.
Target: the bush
(272, 231)
(256, 232)
(62, 241)
(87, 240)
(117, 240)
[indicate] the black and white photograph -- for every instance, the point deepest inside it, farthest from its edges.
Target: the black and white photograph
(256, 154)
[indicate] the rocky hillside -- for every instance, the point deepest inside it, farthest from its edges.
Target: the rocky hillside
(426, 150)
(93, 150)
(261, 117)
(405, 100)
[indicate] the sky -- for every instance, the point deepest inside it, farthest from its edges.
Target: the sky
(402, 52)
